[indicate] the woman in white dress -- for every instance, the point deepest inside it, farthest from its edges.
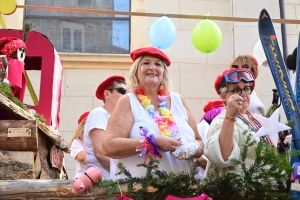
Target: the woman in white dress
(152, 120)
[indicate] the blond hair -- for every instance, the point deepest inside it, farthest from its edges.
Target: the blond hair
(246, 59)
(133, 81)
(78, 133)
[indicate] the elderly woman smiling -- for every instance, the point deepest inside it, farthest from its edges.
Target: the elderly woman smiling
(226, 133)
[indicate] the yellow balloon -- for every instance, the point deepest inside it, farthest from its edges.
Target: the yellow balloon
(8, 6)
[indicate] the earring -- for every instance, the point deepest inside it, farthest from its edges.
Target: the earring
(162, 85)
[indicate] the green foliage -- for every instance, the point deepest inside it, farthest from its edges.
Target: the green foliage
(177, 184)
(270, 111)
(267, 178)
(5, 89)
(27, 26)
(40, 117)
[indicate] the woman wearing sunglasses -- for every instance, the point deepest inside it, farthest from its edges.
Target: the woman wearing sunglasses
(151, 120)
(109, 91)
(247, 61)
(226, 133)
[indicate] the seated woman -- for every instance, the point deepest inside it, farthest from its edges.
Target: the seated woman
(226, 136)
(150, 114)
(247, 61)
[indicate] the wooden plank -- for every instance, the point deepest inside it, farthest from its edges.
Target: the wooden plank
(48, 189)
(19, 113)
(23, 143)
(54, 189)
(16, 165)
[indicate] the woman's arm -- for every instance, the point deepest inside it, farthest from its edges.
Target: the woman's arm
(78, 151)
(97, 138)
(226, 138)
(116, 143)
(193, 125)
(227, 130)
(213, 150)
(81, 157)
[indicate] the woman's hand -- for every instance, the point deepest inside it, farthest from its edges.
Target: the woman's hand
(202, 161)
(234, 105)
(167, 143)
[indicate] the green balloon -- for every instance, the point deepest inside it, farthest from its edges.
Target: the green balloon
(206, 36)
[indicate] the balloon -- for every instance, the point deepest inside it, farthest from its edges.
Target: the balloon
(206, 36)
(162, 33)
(8, 7)
(259, 54)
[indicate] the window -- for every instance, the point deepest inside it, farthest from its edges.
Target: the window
(72, 38)
(84, 32)
(84, 2)
(120, 29)
(66, 38)
(77, 40)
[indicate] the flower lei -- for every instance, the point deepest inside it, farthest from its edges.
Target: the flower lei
(163, 118)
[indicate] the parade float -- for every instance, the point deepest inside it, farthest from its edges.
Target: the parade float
(31, 147)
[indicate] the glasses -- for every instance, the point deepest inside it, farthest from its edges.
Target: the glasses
(246, 66)
(238, 91)
(238, 75)
(119, 90)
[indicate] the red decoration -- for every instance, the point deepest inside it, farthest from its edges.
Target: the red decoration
(150, 51)
(106, 84)
(15, 70)
(56, 157)
(83, 116)
(123, 197)
(213, 104)
(9, 45)
(41, 55)
(203, 196)
(273, 37)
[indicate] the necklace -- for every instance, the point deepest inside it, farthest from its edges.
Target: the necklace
(163, 118)
(252, 127)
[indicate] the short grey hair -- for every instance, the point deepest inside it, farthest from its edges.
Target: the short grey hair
(224, 88)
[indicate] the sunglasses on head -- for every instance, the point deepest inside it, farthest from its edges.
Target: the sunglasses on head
(119, 90)
(246, 66)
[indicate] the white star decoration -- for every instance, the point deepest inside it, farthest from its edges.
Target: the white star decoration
(271, 127)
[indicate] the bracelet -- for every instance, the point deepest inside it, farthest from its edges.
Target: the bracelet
(148, 146)
(230, 118)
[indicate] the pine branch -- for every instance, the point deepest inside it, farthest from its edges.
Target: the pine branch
(267, 178)
(28, 26)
